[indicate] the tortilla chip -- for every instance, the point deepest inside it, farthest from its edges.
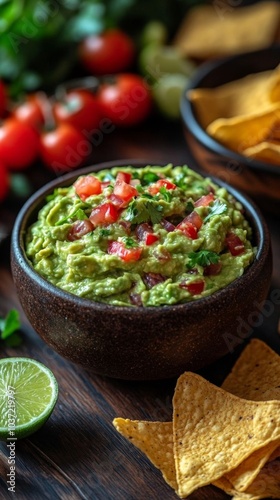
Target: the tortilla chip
(155, 439)
(264, 151)
(255, 373)
(251, 95)
(218, 30)
(227, 430)
(255, 376)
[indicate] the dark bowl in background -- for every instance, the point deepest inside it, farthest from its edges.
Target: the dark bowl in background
(138, 343)
(260, 180)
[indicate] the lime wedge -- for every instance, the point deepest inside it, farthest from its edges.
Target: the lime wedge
(167, 92)
(157, 61)
(28, 394)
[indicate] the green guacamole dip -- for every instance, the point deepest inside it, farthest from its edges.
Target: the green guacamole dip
(141, 237)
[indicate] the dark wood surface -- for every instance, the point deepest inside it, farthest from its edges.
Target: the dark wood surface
(78, 454)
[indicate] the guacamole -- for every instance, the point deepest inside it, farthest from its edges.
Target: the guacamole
(149, 236)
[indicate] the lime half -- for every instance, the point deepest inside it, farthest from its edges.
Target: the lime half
(28, 394)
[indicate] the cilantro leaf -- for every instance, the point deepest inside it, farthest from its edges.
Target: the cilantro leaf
(129, 242)
(217, 208)
(9, 324)
(166, 194)
(104, 232)
(144, 212)
(77, 214)
(149, 178)
(202, 258)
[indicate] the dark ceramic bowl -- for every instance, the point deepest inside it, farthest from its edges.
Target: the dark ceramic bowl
(260, 180)
(138, 343)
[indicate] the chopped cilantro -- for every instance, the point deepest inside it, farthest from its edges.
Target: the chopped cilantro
(104, 232)
(202, 258)
(149, 178)
(166, 194)
(78, 214)
(8, 327)
(129, 242)
(217, 208)
(144, 212)
(139, 188)
(189, 207)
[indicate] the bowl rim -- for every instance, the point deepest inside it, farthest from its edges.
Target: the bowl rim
(189, 117)
(36, 200)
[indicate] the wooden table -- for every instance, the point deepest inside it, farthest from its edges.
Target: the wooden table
(78, 454)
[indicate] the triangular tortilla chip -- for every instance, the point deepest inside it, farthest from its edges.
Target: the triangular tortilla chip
(264, 151)
(227, 430)
(221, 29)
(237, 98)
(155, 439)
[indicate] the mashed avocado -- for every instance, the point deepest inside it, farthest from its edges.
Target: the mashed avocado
(141, 237)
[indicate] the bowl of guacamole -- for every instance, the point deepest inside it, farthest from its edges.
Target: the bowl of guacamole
(132, 262)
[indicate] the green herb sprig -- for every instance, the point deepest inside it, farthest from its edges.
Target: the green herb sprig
(202, 258)
(9, 327)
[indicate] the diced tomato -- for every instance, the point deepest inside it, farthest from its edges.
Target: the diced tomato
(205, 200)
(234, 244)
(127, 254)
(144, 232)
(79, 229)
(213, 269)
(195, 288)
(194, 218)
(188, 229)
(155, 188)
(125, 191)
(104, 214)
(87, 186)
(123, 177)
(150, 238)
(117, 201)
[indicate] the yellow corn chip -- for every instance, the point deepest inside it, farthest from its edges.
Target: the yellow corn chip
(264, 151)
(251, 95)
(209, 31)
(256, 372)
(255, 376)
(227, 430)
(242, 132)
(266, 485)
(155, 439)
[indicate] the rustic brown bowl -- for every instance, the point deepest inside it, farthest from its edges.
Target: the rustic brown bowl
(145, 342)
(260, 180)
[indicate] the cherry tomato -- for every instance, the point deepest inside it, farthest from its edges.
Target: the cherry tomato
(109, 52)
(80, 108)
(3, 99)
(19, 144)
(126, 100)
(30, 111)
(64, 148)
(87, 186)
(4, 181)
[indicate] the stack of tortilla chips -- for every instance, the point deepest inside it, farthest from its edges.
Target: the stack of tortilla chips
(225, 28)
(243, 115)
(228, 437)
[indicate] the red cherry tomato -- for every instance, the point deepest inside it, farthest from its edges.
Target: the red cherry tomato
(19, 144)
(30, 111)
(125, 101)
(80, 108)
(3, 99)
(109, 52)
(4, 181)
(64, 148)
